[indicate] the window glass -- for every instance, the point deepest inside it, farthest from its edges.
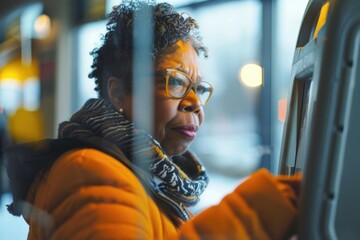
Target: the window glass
(228, 141)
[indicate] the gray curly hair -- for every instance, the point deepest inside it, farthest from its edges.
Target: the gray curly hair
(114, 57)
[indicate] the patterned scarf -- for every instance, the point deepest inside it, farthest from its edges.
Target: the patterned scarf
(179, 181)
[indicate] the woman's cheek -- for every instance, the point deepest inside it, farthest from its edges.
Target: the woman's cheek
(166, 112)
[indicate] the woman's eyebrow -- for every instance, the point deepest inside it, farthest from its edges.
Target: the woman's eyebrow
(163, 72)
(199, 78)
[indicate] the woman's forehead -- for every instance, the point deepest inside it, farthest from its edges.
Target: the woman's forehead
(180, 56)
(180, 51)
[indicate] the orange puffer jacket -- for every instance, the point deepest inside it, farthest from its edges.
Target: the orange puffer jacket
(87, 194)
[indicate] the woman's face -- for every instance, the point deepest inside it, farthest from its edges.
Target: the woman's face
(176, 121)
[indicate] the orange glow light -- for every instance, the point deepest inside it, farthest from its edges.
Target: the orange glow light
(282, 103)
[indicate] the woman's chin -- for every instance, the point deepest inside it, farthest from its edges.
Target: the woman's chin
(176, 150)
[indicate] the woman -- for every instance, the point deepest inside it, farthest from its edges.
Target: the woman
(107, 178)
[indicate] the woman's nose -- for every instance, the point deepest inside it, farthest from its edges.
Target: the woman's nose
(190, 102)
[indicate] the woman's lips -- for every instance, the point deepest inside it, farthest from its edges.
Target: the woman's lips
(187, 131)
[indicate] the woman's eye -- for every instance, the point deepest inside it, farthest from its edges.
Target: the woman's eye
(176, 81)
(202, 89)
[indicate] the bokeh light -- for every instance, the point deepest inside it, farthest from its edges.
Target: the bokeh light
(251, 75)
(42, 26)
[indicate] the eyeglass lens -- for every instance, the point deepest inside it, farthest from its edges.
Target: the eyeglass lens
(178, 85)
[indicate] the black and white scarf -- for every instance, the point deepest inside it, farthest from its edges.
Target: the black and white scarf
(179, 181)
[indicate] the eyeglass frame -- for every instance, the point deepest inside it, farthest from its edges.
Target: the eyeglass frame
(191, 86)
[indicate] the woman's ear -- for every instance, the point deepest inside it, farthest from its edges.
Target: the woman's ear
(120, 97)
(116, 92)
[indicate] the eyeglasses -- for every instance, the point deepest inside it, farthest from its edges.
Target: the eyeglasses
(178, 84)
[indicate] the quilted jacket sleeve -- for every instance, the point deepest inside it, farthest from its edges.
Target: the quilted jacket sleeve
(90, 195)
(263, 207)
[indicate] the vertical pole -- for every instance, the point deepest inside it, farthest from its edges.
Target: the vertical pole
(264, 108)
(143, 70)
(142, 79)
(64, 60)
